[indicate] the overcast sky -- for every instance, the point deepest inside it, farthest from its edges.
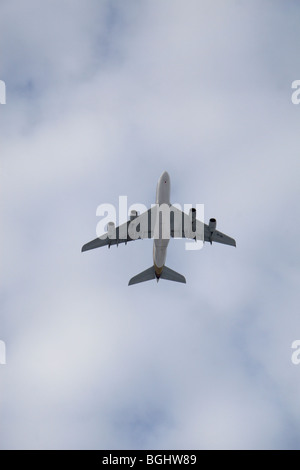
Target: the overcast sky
(102, 97)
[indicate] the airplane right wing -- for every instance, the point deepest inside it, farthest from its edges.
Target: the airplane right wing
(183, 227)
(218, 237)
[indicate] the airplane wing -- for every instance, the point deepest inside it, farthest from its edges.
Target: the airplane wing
(181, 227)
(141, 227)
(138, 228)
(217, 236)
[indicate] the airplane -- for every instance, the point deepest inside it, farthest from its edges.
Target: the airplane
(152, 224)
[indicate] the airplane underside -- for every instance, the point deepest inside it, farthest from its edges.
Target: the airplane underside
(169, 222)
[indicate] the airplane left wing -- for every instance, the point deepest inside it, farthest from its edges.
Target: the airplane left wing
(135, 229)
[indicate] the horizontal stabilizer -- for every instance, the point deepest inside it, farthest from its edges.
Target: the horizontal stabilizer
(143, 276)
(171, 275)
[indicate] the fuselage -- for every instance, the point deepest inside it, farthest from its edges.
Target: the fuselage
(160, 245)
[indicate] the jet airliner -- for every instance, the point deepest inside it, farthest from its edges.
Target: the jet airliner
(156, 224)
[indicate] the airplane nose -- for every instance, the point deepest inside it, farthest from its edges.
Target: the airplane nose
(165, 176)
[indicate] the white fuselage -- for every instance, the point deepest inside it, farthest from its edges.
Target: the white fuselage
(160, 245)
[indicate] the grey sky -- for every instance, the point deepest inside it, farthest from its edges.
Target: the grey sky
(102, 96)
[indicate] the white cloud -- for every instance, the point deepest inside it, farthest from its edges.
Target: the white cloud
(100, 101)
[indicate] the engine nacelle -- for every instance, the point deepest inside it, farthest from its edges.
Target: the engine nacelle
(133, 215)
(111, 230)
(193, 217)
(212, 225)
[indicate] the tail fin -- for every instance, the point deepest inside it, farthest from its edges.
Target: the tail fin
(143, 276)
(171, 275)
(149, 274)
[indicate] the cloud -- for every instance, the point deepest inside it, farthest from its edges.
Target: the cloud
(100, 100)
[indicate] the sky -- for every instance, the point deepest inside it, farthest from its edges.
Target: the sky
(101, 98)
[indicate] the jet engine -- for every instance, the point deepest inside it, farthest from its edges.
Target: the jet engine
(111, 230)
(212, 225)
(133, 215)
(193, 216)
